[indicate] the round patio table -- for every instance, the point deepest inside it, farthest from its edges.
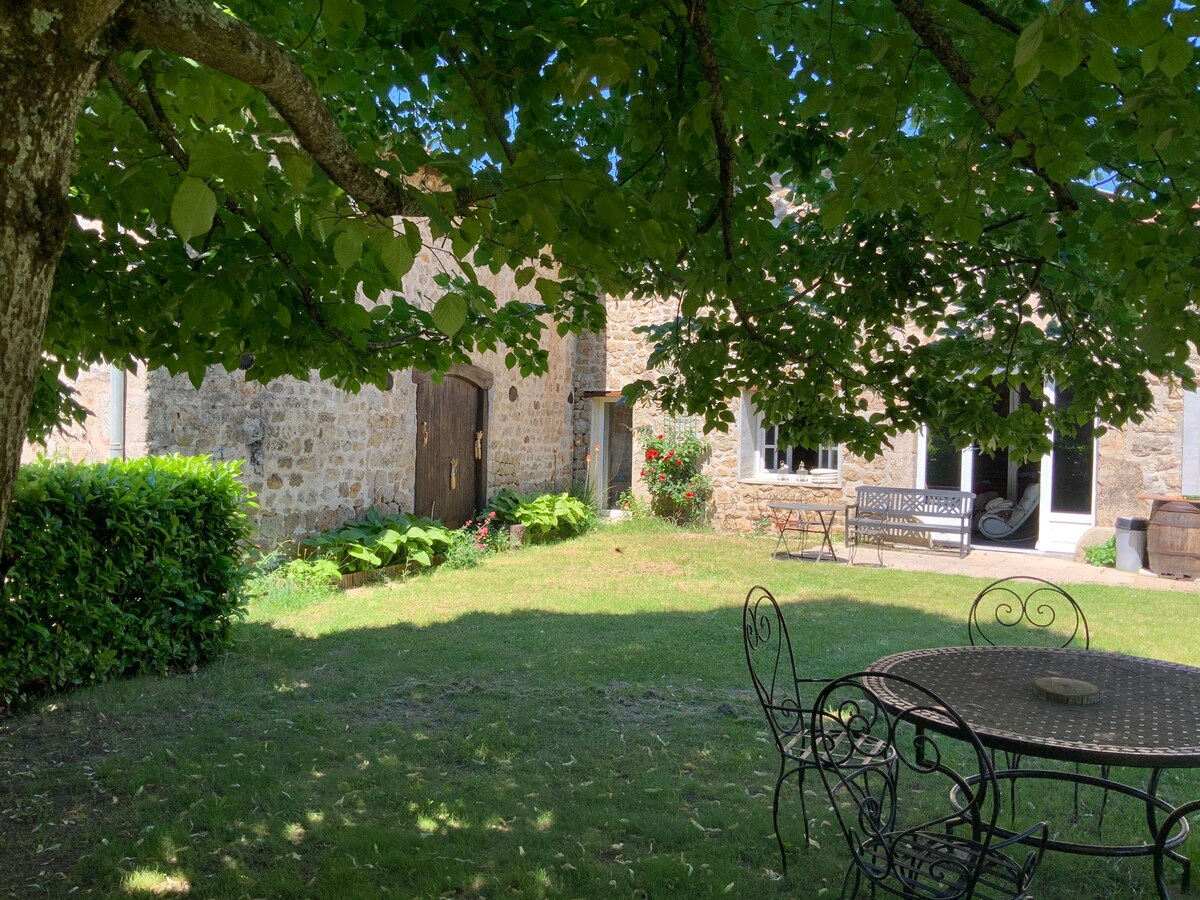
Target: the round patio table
(1146, 715)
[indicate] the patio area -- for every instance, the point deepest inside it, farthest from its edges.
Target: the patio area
(982, 563)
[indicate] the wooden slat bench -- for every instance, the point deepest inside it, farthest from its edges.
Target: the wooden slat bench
(892, 513)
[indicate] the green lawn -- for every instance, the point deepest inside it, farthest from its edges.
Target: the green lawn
(567, 721)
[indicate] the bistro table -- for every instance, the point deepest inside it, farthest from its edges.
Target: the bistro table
(1146, 715)
(804, 519)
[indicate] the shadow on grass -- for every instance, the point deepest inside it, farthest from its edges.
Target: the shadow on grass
(534, 754)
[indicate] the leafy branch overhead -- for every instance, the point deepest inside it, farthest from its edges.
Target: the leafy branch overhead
(867, 212)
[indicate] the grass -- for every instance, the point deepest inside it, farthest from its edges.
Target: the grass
(568, 721)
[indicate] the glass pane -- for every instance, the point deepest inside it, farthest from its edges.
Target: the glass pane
(618, 435)
(1071, 489)
(943, 463)
(769, 449)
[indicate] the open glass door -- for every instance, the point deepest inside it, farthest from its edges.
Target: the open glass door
(611, 466)
(998, 478)
(1068, 483)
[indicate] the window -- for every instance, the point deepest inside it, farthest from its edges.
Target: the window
(791, 459)
(763, 457)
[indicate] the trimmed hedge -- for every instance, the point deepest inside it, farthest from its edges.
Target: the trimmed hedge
(118, 568)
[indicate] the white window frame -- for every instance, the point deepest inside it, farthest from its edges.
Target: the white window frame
(754, 445)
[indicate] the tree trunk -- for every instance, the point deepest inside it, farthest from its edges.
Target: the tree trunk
(49, 61)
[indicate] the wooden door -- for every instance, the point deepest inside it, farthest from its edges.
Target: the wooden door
(451, 478)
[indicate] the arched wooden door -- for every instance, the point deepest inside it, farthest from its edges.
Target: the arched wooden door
(452, 440)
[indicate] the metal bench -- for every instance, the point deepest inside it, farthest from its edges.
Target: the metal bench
(891, 513)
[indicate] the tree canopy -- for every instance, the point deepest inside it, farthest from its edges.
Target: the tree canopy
(977, 192)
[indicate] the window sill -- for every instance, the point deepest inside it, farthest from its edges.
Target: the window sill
(791, 482)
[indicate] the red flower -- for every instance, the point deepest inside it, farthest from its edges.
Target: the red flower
(643, 473)
(651, 454)
(662, 477)
(660, 437)
(670, 453)
(689, 495)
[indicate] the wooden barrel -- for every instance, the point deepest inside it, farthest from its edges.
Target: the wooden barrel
(1173, 539)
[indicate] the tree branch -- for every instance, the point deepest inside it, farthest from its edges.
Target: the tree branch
(938, 42)
(162, 130)
(197, 30)
(159, 127)
(488, 113)
(992, 16)
(703, 37)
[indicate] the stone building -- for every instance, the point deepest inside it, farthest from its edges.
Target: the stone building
(1086, 482)
(317, 456)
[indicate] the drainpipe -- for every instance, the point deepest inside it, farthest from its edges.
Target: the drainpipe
(116, 412)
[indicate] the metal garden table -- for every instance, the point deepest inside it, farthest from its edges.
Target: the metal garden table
(1146, 715)
(789, 517)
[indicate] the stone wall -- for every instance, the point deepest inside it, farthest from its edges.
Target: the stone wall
(1144, 458)
(318, 456)
(608, 361)
(90, 440)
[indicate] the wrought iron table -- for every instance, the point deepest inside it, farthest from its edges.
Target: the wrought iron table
(794, 517)
(1147, 715)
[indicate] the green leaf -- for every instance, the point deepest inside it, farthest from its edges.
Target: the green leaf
(396, 257)
(550, 291)
(297, 170)
(347, 248)
(1029, 42)
(344, 15)
(1062, 57)
(450, 313)
(1027, 72)
(1102, 66)
(193, 209)
(1176, 55)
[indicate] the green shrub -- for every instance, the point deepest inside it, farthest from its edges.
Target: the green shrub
(382, 540)
(679, 491)
(545, 516)
(1102, 554)
(118, 568)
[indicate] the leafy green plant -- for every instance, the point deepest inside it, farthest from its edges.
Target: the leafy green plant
(1102, 554)
(313, 572)
(118, 568)
(678, 489)
(545, 516)
(635, 505)
(474, 541)
(381, 540)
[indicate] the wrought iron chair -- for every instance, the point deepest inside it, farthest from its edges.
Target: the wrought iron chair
(773, 671)
(1032, 607)
(899, 825)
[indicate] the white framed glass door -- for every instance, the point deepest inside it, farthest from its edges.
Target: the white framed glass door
(610, 471)
(1068, 501)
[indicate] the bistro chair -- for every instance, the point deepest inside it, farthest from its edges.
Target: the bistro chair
(1027, 611)
(773, 671)
(895, 813)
